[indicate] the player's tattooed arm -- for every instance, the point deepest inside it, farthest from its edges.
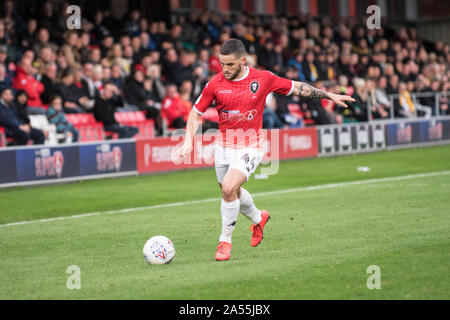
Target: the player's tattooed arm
(303, 89)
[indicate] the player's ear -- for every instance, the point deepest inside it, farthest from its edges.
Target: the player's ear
(244, 59)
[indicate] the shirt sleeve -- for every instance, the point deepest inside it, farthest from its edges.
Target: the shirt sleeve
(205, 99)
(280, 85)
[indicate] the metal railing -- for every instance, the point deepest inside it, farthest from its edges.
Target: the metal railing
(414, 97)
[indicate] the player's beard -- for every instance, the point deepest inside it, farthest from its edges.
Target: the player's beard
(234, 75)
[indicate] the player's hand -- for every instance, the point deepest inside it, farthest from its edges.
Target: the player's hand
(184, 151)
(340, 99)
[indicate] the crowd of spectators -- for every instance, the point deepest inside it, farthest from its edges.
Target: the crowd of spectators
(137, 64)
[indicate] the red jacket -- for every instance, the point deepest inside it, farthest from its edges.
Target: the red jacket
(173, 108)
(30, 85)
(214, 64)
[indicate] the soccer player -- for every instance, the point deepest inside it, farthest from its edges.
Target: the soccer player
(240, 93)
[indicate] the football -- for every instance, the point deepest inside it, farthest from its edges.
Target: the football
(159, 250)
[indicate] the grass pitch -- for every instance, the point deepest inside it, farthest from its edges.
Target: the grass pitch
(317, 245)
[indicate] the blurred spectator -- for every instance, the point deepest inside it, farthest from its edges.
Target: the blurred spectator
(270, 117)
(186, 93)
(158, 89)
(203, 61)
(97, 77)
(267, 56)
(116, 76)
(48, 20)
(5, 62)
(310, 69)
(174, 110)
(45, 56)
(100, 30)
(422, 85)
(131, 24)
(106, 45)
(51, 87)
(24, 80)
(88, 86)
(444, 100)
(357, 111)
(70, 93)
(85, 102)
(198, 82)
(7, 41)
(55, 115)
(176, 70)
(127, 60)
(138, 92)
(392, 86)
(378, 110)
(104, 109)
(28, 35)
(214, 63)
(70, 51)
(381, 98)
(5, 81)
(408, 108)
(16, 121)
(43, 39)
(12, 18)
(297, 63)
(84, 42)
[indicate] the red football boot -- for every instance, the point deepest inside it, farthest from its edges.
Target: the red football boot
(223, 251)
(257, 230)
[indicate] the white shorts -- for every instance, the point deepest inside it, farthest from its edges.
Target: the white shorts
(245, 160)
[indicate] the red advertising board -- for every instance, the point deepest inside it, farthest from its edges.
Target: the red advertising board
(156, 154)
(298, 143)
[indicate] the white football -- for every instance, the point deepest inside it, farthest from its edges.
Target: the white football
(159, 250)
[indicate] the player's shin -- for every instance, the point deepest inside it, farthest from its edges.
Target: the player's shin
(230, 212)
(248, 208)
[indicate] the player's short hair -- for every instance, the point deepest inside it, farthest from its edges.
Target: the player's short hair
(233, 46)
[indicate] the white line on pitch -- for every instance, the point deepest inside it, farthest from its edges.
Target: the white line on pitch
(260, 194)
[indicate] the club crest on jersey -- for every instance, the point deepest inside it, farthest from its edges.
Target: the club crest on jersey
(254, 86)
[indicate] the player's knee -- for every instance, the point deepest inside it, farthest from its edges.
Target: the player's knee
(229, 192)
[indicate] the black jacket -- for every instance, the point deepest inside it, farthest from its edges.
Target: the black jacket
(104, 109)
(9, 118)
(86, 92)
(50, 88)
(135, 93)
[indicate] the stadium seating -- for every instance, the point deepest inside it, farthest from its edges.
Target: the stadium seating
(297, 112)
(91, 130)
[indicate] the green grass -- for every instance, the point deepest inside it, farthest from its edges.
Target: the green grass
(317, 245)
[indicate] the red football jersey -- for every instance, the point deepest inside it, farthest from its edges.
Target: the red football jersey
(240, 104)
